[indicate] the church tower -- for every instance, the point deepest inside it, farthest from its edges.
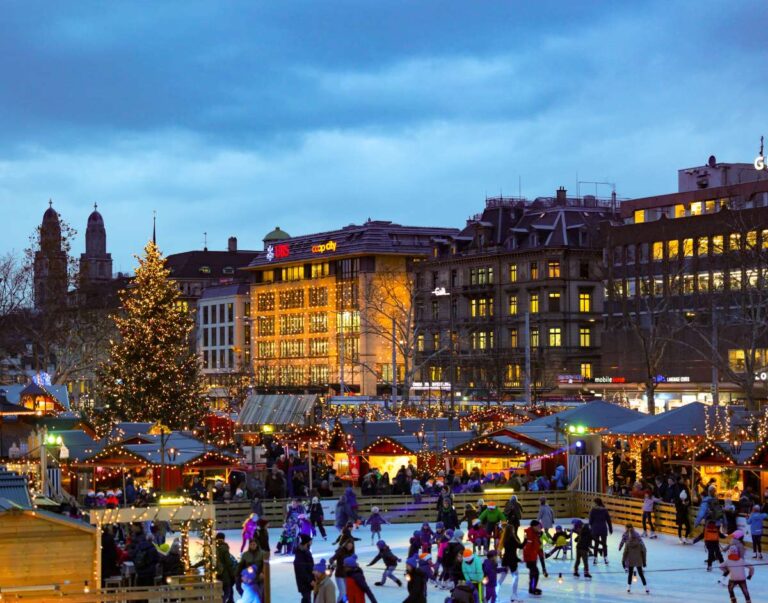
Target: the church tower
(95, 263)
(50, 265)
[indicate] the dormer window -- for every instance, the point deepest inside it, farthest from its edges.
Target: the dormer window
(205, 270)
(228, 270)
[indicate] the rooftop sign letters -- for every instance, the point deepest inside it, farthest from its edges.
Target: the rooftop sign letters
(278, 252)
(323, 247)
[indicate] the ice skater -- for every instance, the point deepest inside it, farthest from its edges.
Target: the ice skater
(376, 520)
(531, 550)
(317, 516)
(738, 572)
(583, 547)
(755, 523)
(600, 525)
(712, 536)
(390, 563)
(634, 559)
(649, 502)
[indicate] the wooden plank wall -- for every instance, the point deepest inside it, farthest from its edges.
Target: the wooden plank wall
(398, 509)
(199, 591)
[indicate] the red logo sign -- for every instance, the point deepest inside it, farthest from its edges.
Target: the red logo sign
(282, 250)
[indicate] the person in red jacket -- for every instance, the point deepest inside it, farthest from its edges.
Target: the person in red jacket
(531, 551)
(357, 587)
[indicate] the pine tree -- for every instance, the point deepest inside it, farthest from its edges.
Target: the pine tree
(152, 374)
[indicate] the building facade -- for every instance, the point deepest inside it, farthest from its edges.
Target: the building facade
(517, 262)
(685, 277)
(320, 306)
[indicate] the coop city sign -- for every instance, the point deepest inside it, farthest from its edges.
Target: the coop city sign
(323, 247)
(760, 163)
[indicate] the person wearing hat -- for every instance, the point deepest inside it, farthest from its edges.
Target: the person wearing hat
(317, 516)
(249, 579)
(252, 557)
(634, 559)
(357, 587)
(417, 581)
(738, 571)
(225, 569)
(472, 571)
(491, 518)
(325, 591)
(531, 551)
(303, 565)
(453, 557)
(583, 546)
(447, 514)
(490, 571)
(510, 544)
(172, 562)
(375, 521)
(262, 534)
(390, 563)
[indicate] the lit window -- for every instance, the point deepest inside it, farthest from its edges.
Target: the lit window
(658, 251)
(696, 208)
(513, 375)
(320, 270)
(513, 273)
(553, 269)
(709, 207)
(639, 216)
(585, 300)
(512, 304)
(673, 249)
(436, 341)
(717, 244)
(703, 247)
(679, 210)
(688, 248)
(765, 239)
(420, 343)
(554, 302)
(752, 240)
(534, 271)
(585, 337)
(513, 338)
(534, 337)
(293, 273)
(585, 369)
(533, 303)
(555, 337)
(734, 241)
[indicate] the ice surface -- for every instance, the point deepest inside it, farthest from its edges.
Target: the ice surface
(675, 572)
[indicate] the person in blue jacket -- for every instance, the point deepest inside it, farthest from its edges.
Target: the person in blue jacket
(755, 523)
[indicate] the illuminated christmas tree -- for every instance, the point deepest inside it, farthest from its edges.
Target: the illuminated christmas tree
(152, 374)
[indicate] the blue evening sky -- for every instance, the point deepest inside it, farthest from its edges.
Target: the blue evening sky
(233, 117)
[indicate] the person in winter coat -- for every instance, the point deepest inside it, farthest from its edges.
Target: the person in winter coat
(324, 590)
(390, 563)
(470, 514)
(634, 559)
(225, 569)
(706, 508)
(546, 516)
(463, 593)
(427, 536)
(249, 590)
(346, 548)
(682, 503)
(531, 553)
(376, 520)
(357, 587)
(601, 526)
(478, 536)
(303, 565)
(343, 513)
(447, 515)
(172, 563)
(472, 571)
(510, 544)
(417, 582)
(513, 510)
(253, 557)
(145, 558)
(257, 507)
(416, 490)
(738, 572)
(649, 502)
(109, 565)
(490, 571)
(583, 546)
(755, 523)
(491, 518)
(560, 478)
(351, 498)
(712, 536)
(317, 516)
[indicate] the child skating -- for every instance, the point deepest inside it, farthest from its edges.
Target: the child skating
(634, 559)
(376, 520)
(738, 571)
(390, 563)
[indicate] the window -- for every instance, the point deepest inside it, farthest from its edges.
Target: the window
(534, 337)
(205, 338)
(213, 336)
(291, 299)
(435, 341)
(585, 369)
(318, 297)
(512, 305)
(751, 243)
(222, 315)
(291, 324)
(533, 303)
(679, 210)
(265, 349)
(481, 276)
(420, 343)
(702, 247)
(717, 245)
(481, 340)
(435, 310)
(639, 216)
(205, 315)
(291, 348)
(293, 273)
(658, 251)
(346, 295)
(318, 346)
(347, 269)
(320, 270)
(696, 208)
(435, 373)
(481, 307)
(265, 326)
(534, 271)
(553, 269)
(688, 248)
(351, 348)
(318, 322)
(642, 252)
(348, 321)
(555, 337)
(554, 302)
(514, 341)
(265, 302)
(513, 273)
(585, 300)
(585, 337)
(513, 375)
(673, 249)
(292, 375)
(734, 241)
(709, 207)
(318, 374)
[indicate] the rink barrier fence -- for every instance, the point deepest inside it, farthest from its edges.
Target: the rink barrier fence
(398, 509)
(178, 593)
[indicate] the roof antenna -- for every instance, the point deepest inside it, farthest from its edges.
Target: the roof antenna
(205, 241)
(154, 227)
(761, 147)
(95, 206)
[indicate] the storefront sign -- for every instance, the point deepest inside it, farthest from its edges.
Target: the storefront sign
(323, 247)
(570, 379)
(610, 379)
(278, 252)
(675, 379)
(440, 292)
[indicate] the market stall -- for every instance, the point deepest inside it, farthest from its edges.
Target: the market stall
(497, 452)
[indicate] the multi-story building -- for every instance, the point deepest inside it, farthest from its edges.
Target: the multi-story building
(518, 260)
(685, 275)
(319, 305)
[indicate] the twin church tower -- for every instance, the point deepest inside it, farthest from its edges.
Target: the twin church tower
(50, 264)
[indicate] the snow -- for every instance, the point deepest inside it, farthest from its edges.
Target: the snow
(675, 572)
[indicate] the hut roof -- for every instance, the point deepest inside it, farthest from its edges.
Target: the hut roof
(723, 450)
(687, 420)
(151, 454)
(13, 488)
(506, 444)
(365, 433)
(59, 392)
(80, 444)
(123, 431)
(276, 409)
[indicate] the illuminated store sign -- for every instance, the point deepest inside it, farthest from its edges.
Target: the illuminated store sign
(323, 247)
(278, 252)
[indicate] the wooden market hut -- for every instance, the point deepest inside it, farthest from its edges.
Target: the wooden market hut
(502, 451)
(732, 467)
(387, 455)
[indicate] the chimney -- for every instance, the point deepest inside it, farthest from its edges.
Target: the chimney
(561, 197)
(232, 244)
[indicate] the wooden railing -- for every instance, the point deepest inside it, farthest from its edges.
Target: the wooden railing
(399, 509)
(181, 593)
